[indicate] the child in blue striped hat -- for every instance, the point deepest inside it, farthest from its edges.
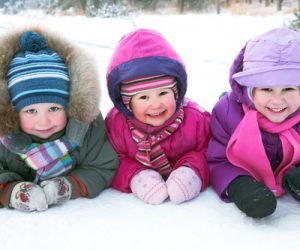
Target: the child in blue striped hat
(53, 142)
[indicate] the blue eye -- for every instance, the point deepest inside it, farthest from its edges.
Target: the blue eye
(54, 108)
(31, 111)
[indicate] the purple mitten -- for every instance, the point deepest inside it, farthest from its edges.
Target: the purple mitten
(183, 184)
(27, 196)
(149, 186)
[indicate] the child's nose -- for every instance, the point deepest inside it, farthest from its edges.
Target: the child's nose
(277, 97)
(155, 103)
(43, 119)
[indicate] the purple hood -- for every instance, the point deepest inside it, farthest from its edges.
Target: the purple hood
(239, 92)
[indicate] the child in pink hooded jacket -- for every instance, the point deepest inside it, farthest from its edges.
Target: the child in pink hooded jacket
(161, 137)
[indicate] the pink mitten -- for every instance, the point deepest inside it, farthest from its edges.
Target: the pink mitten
(149, 186)
(183, 184)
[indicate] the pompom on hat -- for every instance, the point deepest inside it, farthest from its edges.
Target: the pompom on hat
(37, 74)
(271, 59)
(134, 86)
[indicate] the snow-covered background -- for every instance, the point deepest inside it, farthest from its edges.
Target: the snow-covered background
(208, 44)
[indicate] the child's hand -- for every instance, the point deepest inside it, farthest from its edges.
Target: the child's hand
(149, 186)
(183, 184)
(291, 182)
(57, 190)
(27, 196)
(251, 197)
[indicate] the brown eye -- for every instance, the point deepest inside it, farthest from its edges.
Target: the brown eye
(143, 97)
(163, 93)
(266, 89)
(289, 89)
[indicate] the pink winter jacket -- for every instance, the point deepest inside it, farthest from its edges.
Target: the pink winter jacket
(186, 146)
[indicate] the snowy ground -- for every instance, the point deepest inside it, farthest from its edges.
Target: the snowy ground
(207, 43)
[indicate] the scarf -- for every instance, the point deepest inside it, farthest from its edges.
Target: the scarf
(149, 152)
(49, 159)
(245, 148)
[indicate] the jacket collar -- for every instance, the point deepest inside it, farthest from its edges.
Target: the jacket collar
(75, 131)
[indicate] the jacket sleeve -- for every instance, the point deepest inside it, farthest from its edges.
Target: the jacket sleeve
(196, 158)
(95, 162)
(222, 172)
(8, 177)
(128, 167)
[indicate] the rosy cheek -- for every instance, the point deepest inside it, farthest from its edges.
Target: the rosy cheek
(171, 105)
(63, 119)
(139, 114)
(25, 125)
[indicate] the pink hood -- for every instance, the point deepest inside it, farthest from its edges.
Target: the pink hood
(141, 53)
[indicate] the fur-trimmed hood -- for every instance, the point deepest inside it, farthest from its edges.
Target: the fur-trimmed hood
(84, 95)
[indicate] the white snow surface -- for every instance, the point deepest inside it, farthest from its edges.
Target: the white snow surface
(208, 44)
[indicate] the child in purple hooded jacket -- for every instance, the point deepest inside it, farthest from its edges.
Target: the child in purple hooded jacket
(161, 137)
(254, 152)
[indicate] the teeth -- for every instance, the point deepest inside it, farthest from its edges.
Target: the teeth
(156, 114)
(277, 109)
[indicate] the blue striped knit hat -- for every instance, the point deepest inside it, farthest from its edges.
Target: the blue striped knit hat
(37, 74)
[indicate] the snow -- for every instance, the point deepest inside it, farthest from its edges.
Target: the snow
(208, 44)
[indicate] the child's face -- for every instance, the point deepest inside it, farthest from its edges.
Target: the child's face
(42, 119)
(154, 107)
(276, 103)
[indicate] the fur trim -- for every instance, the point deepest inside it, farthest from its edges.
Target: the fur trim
(84, 96)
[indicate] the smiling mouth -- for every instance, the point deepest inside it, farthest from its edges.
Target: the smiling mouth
(276, 110)
(44, 130)
(156, 114)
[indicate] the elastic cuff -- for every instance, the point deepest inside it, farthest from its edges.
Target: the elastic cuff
(78, 187)
(5, 193)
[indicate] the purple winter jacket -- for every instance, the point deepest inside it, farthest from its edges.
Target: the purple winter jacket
(226, 115)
